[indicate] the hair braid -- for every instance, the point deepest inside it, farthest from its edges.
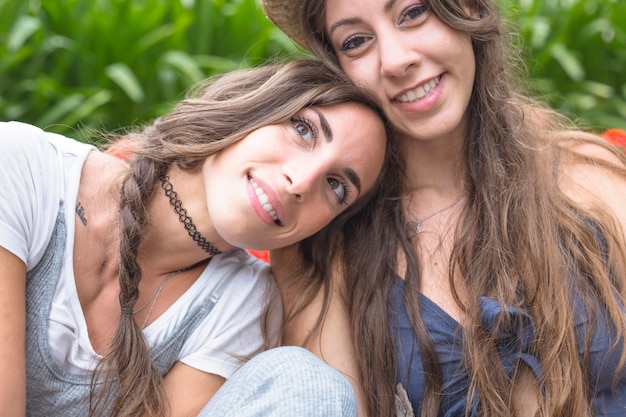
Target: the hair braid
(218, 113)
(128, 364)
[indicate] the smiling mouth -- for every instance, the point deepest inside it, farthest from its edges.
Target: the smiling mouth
(265, 201)
(419, 92)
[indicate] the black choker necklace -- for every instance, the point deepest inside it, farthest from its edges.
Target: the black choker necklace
(185, 218)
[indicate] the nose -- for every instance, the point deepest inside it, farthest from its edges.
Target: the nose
(395, 54)
(301, 178)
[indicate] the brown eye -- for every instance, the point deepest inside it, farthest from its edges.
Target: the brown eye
(304, 128)
(413, 12)
(353, 42)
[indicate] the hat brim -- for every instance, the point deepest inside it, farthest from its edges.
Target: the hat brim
(286, 15)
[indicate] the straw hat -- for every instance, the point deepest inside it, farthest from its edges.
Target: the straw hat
(286, 15)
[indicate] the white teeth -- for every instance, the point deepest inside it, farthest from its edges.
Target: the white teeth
(264, 200)
(419, 92)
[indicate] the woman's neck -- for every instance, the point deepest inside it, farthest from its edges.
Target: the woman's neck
(165, 244)
(433, 164)
(166, 239)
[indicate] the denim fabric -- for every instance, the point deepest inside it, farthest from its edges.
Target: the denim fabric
(513, 347)
(51, 391)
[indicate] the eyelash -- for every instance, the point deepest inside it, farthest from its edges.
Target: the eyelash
(350, 42)
(346, 190)
(420, 8)
(295, 121)
(355, 41)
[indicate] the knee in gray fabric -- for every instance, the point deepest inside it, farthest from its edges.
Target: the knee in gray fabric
(301, 369)
(285, 381)
(297, 362)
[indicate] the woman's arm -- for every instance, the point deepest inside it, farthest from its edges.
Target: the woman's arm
(332, 342)
(188, 389)
(590, 184)
(12, 335)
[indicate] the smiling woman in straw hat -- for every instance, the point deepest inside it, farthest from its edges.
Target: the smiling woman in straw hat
(491, 280)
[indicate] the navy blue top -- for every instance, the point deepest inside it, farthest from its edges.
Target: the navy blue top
(513, 347)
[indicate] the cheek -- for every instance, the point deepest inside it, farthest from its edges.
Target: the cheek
(317, 220)
(372, 83)
(461, 49)
(314, 219)
(373, 170)
(359, 72)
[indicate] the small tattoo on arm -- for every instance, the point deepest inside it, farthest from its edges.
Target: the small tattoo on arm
(80, 210)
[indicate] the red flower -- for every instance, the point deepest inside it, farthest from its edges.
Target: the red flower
(121, 149)
(616, 136)
(263, 255)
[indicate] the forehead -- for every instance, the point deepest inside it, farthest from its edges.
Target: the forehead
(355, 7)
(352, 122)
(359, 138)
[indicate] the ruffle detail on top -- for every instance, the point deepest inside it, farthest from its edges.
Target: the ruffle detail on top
(514, 335)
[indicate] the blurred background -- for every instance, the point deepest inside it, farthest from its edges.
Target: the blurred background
(110, 64)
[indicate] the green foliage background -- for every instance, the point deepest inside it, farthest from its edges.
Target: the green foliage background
(109, 64)
(575, 52)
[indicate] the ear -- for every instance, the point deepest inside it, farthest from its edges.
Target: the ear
(471, 8)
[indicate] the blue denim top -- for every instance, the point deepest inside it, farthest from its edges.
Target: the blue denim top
(513, 348)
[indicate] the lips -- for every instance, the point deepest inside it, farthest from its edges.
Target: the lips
(263, 201)
(419, 92)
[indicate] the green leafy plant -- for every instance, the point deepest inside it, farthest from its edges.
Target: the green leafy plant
(108, 64)
(575, 51)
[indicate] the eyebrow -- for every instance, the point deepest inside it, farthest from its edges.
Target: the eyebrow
(328, 132)
(342, 22)
(389, 5)
(352, 176)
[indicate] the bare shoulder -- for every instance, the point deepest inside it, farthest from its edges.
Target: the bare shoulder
(100, 163)
(594, 174)
(98, 192)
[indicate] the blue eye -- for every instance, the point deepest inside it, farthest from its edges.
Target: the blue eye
(340, 188)
(413, 13)
(304, 128)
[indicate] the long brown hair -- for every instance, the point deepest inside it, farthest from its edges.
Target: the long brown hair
(530, 247)
(217, 114)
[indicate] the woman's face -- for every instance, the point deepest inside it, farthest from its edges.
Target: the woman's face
(285, 182)
(420, 69)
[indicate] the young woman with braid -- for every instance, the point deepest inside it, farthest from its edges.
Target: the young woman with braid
(491, 280)
(122, 290)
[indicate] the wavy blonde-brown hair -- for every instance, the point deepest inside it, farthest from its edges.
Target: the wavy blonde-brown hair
(520, 239)
(217, 114)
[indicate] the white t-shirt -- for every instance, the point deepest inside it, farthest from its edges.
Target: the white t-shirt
(40, 171)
